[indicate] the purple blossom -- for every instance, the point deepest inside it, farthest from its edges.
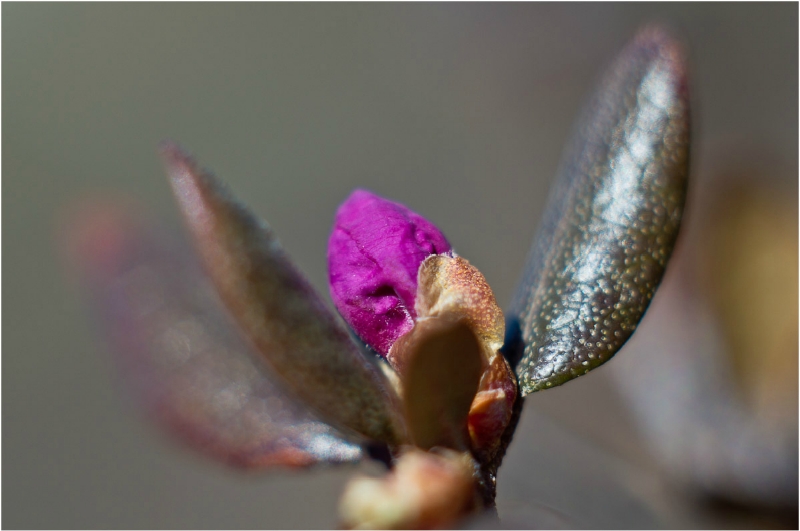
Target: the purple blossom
(374, 254)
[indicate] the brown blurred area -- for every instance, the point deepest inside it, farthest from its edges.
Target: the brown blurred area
(459, 111)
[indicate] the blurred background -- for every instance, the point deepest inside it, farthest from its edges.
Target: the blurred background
(459, 111)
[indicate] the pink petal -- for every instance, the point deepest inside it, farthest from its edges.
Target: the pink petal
(374, 254)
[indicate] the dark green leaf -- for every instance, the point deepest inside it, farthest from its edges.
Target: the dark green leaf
(611, 222)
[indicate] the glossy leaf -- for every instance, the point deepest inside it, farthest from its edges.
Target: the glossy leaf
(611, 222)
(182, 357)
(279, 311)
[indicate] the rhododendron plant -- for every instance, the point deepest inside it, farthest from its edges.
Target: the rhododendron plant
(243, 359)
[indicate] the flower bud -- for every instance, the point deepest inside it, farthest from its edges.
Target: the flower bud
(374, 255)
(395, 280)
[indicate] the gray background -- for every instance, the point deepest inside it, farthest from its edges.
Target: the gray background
(459, 111)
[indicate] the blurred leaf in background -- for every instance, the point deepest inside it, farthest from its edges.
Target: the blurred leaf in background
(713, 383)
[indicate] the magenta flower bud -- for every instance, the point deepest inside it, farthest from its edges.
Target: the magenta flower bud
(374, 254)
